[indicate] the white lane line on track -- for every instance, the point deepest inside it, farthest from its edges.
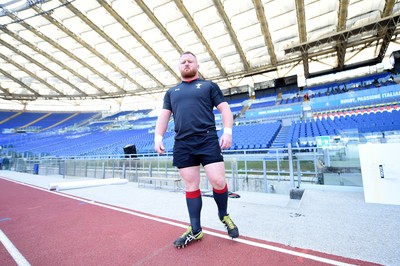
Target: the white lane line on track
(243, 241)
(13, 251)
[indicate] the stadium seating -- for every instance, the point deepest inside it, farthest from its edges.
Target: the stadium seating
(366, 105)
(40, 121)
(254, 136)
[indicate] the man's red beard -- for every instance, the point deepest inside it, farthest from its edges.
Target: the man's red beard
(188, 74)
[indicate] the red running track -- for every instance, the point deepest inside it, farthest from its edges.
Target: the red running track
(52, 228)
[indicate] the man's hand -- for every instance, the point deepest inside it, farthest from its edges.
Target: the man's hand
(158, 144)
(226, 141)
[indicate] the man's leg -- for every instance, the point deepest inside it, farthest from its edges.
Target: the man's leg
(194, 204)
(216, 175)
(191, 178)
(221, 198)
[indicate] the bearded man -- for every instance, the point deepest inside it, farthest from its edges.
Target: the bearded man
(196, 143)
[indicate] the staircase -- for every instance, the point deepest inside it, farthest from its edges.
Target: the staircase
(34, 121)
(246, 106)
(59, 122)
(86, 122)
(280, 139)
(11, 117)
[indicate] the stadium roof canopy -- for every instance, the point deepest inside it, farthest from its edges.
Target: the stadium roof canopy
(99, 49)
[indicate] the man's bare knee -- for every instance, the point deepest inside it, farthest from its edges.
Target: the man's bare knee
(219, 183)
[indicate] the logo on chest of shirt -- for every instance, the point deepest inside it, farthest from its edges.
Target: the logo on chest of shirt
(198, 85)
(177, 89)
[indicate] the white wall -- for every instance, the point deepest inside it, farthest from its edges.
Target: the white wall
(378, 189)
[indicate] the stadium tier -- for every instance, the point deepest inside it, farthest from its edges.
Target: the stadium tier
(39, 121)
(269, 122)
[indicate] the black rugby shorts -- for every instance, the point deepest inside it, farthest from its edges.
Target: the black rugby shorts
(199, 149)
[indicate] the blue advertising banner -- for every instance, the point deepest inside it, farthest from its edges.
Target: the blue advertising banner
(354, 97)
(275, 110)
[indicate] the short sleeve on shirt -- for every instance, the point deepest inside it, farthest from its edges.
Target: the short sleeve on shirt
(167, 101)
(216, 94)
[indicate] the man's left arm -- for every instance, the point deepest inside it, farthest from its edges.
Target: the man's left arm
(227, 122)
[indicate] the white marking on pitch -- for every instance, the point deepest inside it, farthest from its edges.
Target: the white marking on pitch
(13, 251)
(247, 242)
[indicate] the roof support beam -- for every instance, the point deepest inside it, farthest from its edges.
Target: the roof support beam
(343, 8)
(45, 68)
(158, 24)
(301, 24)
(232, 33)
(265, 30)
(51, 58)
(306, 67)
(106, 37)
(5, 93)
(388, 9)
(6, 74)
(197, 31)
(341, 53)
(388, 31)
(129, 29)
(62, 49)
(301, 20)
(387, 34)
(393, 20)
(341, 42)
(30, 73)
(161, 27)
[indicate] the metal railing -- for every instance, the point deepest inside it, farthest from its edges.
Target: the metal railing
(264, 170)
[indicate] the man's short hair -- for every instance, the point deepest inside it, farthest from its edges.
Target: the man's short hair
(188, 52)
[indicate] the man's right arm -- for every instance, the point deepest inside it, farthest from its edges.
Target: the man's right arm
(161, 128)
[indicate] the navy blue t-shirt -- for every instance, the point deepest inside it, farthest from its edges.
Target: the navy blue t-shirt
(192, 106)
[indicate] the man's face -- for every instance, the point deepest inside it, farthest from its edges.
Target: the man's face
(188, 66)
